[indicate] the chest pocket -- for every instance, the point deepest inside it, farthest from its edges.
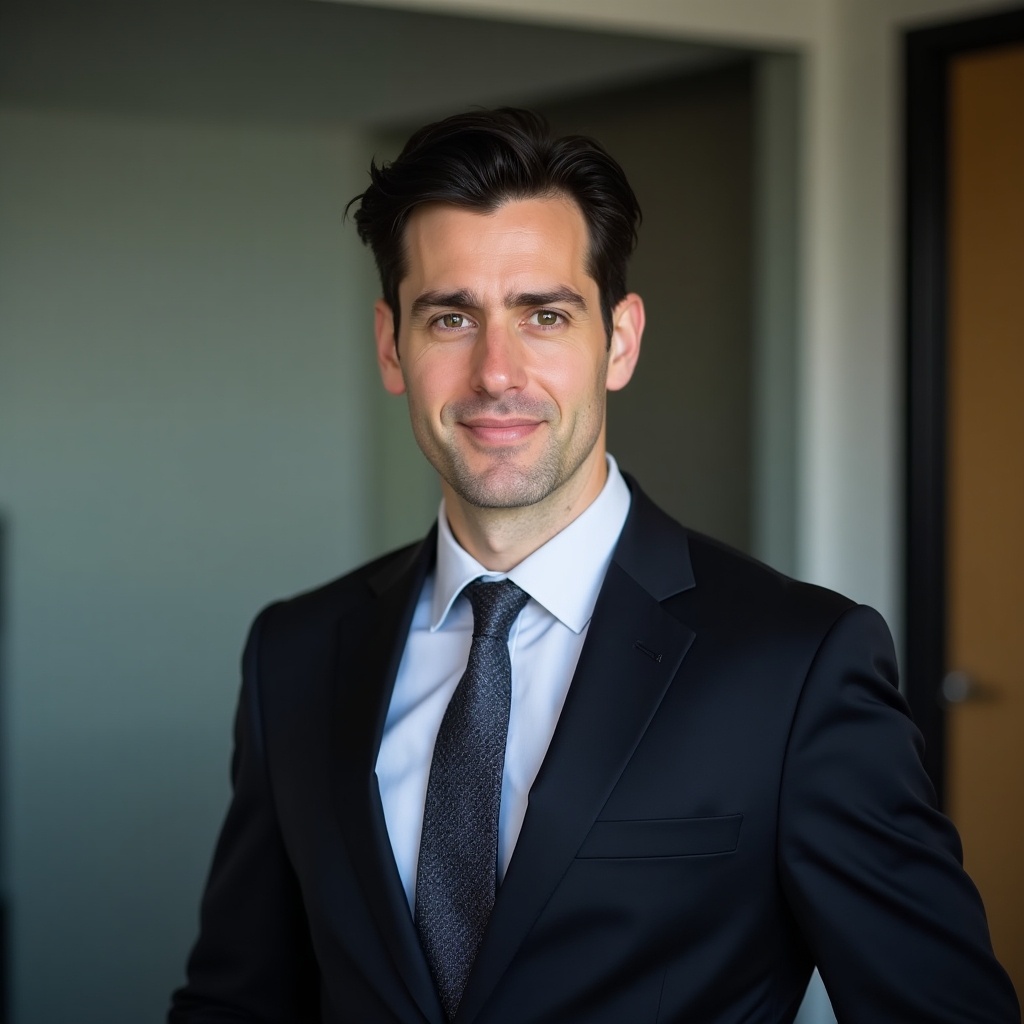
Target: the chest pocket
(662, 837)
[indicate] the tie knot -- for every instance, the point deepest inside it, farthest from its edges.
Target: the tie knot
(495, 606)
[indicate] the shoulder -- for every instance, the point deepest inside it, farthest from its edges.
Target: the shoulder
(773, 644)
(296, 645)
(306, 615)
(709, 583)
(735, 581)
(751, 607)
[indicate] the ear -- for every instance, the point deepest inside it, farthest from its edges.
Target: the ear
(387, 348)
(628, 321)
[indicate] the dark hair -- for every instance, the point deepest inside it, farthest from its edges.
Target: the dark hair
(485, 158)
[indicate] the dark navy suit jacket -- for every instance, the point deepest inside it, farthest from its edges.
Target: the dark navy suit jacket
(734, 794)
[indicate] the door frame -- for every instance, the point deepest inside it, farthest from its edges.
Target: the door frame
(928, 54)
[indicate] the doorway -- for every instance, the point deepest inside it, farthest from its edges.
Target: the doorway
(965, 575)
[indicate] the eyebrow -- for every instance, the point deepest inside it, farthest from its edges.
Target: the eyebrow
(461, 299)
(566, 296)
(464, 299)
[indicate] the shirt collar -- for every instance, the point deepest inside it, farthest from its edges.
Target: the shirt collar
(564, 575)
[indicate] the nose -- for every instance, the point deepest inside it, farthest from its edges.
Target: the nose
(498, 361)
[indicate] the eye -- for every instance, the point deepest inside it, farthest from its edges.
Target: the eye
(453, 321)
(547, 318)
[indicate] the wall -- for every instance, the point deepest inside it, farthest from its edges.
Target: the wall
(851, 404)
(183, 435)
(684, 424)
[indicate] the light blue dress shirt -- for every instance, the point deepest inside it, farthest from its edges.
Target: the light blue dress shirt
(563, 579)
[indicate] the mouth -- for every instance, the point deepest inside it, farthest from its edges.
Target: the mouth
(495, 431)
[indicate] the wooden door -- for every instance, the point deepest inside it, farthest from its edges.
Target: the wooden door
(985, 474)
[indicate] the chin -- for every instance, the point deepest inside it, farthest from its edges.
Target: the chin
(503, 487)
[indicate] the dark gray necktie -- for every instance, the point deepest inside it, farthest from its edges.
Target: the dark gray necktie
(456, 879)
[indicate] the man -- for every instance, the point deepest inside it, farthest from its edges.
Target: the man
(565, 761)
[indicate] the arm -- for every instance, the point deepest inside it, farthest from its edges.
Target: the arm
(871, 869)
(252, 963)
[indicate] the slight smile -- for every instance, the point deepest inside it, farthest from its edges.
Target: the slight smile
(500, 431)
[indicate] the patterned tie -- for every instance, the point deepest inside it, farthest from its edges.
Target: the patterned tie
(456, 879)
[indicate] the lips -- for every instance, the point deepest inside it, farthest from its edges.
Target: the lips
(491, 430)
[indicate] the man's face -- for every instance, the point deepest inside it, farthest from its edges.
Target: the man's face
(503, 351)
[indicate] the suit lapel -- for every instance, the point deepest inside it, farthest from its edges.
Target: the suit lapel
(373, 639)
(633, 650)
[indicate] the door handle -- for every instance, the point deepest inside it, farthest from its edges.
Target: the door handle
(959, 687)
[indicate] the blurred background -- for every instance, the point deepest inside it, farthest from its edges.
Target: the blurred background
(191, 422)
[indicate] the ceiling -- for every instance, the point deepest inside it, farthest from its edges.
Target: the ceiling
(299, 61)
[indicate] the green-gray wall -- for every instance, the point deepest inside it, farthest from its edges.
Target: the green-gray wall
(186, 431)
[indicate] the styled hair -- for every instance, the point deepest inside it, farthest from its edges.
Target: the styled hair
(485, 158)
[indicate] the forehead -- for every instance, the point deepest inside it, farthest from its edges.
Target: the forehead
(453, 246)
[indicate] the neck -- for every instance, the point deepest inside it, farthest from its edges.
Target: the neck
(500, 538)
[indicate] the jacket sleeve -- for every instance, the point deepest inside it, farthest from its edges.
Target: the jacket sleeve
(253, 962)
(871, 869)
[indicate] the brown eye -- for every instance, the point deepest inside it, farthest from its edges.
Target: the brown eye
(453, 321)
(547, 318)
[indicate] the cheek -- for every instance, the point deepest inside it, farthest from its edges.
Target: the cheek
(572, 381)
(432, 383)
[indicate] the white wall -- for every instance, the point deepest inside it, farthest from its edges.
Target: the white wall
(184, 434)
(851, 410)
